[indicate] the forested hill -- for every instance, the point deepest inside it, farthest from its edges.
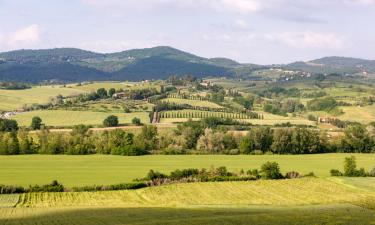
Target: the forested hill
(335, 64)
(69, 64)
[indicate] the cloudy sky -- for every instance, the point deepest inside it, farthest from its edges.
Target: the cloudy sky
(254, 31)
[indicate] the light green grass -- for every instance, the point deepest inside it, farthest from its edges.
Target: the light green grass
(16, 99)
(70, 118)
(193, 102)
(297, 215)
(103, 169)
(305, 191)
(358, 114)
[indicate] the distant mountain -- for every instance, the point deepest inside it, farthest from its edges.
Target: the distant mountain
(70, 64)
(335, 64)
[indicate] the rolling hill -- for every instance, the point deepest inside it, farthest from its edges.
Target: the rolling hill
(73, 65)
(69, 64)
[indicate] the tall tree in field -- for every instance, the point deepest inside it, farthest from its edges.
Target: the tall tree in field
(111, 121)
(36, 123)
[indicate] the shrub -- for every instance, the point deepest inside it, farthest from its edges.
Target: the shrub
(270, 170)
(111, 121)
(136, 121)
(36, 123)
(335, 173)
(53, 187)
(372, 172)
(292, 175)
(350, 167)
(153, 175)
(9, 189)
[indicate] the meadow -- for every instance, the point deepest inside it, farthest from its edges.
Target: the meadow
(16, 99)
(71, 118)
(107, 169)
(299, 201)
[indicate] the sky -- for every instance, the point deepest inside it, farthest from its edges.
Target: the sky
(249, 31)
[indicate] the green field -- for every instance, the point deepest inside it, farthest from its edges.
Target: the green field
(299, 201)
(106, 169)
(70, 118)
(197, 103)
(16, 99)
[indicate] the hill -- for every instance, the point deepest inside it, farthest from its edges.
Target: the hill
(334, 64)
(70, 64)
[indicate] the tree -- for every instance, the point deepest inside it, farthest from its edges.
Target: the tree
(111, 92)
(262, 138)
(357, 139)
(305, 141)
(136, 121)
(111, 121)
(36, 123)
(350, 166)
(8, 125)
(282, 141)
(102, 92)
(147, 139)
(270, 170)
(246, 145)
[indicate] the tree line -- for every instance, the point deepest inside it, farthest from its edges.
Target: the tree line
(210, 136)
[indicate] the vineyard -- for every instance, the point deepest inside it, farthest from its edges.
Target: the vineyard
(203, 114)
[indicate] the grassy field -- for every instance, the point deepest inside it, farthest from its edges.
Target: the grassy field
(15, 99)
(193, 102)
(70, 118)
(299, 201)
(103, 169)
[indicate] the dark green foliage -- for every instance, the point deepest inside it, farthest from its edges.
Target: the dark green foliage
(36, 123)
(102, 93)
(153, 175)
(8, 125)
(322, 104)
(53, 187)
(270, 170)
(357, 139)
(111, 121)
(350, 169)
(111, 92)
(136, 121)
(9, 189)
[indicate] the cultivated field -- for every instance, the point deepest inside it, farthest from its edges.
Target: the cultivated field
(308, 201)
(106, 169)
(16, 99)
(70, 118)
(197, 103)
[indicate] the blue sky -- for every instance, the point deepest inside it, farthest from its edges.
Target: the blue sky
(253, 31)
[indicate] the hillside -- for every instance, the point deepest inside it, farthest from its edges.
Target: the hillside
(334, 64)
(72, 65)
(69, 64)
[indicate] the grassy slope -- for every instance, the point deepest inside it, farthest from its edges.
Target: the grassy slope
(102, 169)
(193, 102)
(15, 99)
(301, 201)
(69, 118)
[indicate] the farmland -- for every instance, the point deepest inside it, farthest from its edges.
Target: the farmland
(70, 118)
(102, 169)
(16, 99)
(258, 202)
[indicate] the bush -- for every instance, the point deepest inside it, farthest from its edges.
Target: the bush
(335, 173)
(53, 187)
(111, 121)
(136, 121)
(270, 170)
(372, 172)
(6, 189)
(8, 125)
(36, 123)
(292, 175)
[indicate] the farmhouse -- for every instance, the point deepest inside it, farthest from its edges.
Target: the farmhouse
(119, 95)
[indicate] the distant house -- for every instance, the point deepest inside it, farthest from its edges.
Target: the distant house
(325, 119)
(207, 84)
(119, 95)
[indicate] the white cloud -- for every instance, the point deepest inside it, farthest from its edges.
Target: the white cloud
(242, 24)
(308, 39)
(24, 36)
(238, 6)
